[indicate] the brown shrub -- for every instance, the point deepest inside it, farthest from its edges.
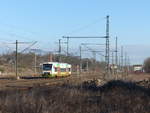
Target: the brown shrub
(113, 97)
(147, 65)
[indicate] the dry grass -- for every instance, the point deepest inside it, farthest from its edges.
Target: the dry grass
(113, 97)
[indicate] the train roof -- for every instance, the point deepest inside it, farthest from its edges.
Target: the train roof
(137, 65)
(55, 63)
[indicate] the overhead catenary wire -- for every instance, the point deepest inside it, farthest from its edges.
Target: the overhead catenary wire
(86, 26)
(96, 44)
(16, 35)
(29, 47)
(98, 52)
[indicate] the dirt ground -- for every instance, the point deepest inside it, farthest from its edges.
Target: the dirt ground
(138, 77)
(9, 83)
(27, 83)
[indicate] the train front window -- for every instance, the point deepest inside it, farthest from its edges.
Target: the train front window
(47, 66)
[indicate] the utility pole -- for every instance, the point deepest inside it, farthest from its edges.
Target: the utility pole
(107, 47)
(119, 64)
(80, 37)
(35, 58)
(112, 57)
(116, 66)
(122, 64)
(16, 54)
(94, 60)
(50, 57)
(125, 60)
(67, 46)
(112, 70)
(80, 59)
(128, 64)
(87, 66)
(59, 50)
(107, 50)
(17, 59)
(116, 51)
(94, 56)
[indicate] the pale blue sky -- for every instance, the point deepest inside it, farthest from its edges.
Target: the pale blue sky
(46, 21)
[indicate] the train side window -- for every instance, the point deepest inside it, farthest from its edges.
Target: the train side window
(69, 69)
(63, 69)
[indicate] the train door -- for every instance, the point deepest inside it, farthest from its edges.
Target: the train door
(58, 70)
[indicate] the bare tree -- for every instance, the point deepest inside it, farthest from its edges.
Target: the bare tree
(147, 65)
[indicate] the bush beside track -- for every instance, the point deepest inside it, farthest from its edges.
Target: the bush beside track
(112, 97)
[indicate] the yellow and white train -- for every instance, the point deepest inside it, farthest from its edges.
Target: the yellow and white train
(56, 69)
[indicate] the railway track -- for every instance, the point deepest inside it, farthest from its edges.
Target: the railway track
(30, 82)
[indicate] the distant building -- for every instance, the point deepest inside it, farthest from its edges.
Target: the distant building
(138, 68)
(113, 66)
